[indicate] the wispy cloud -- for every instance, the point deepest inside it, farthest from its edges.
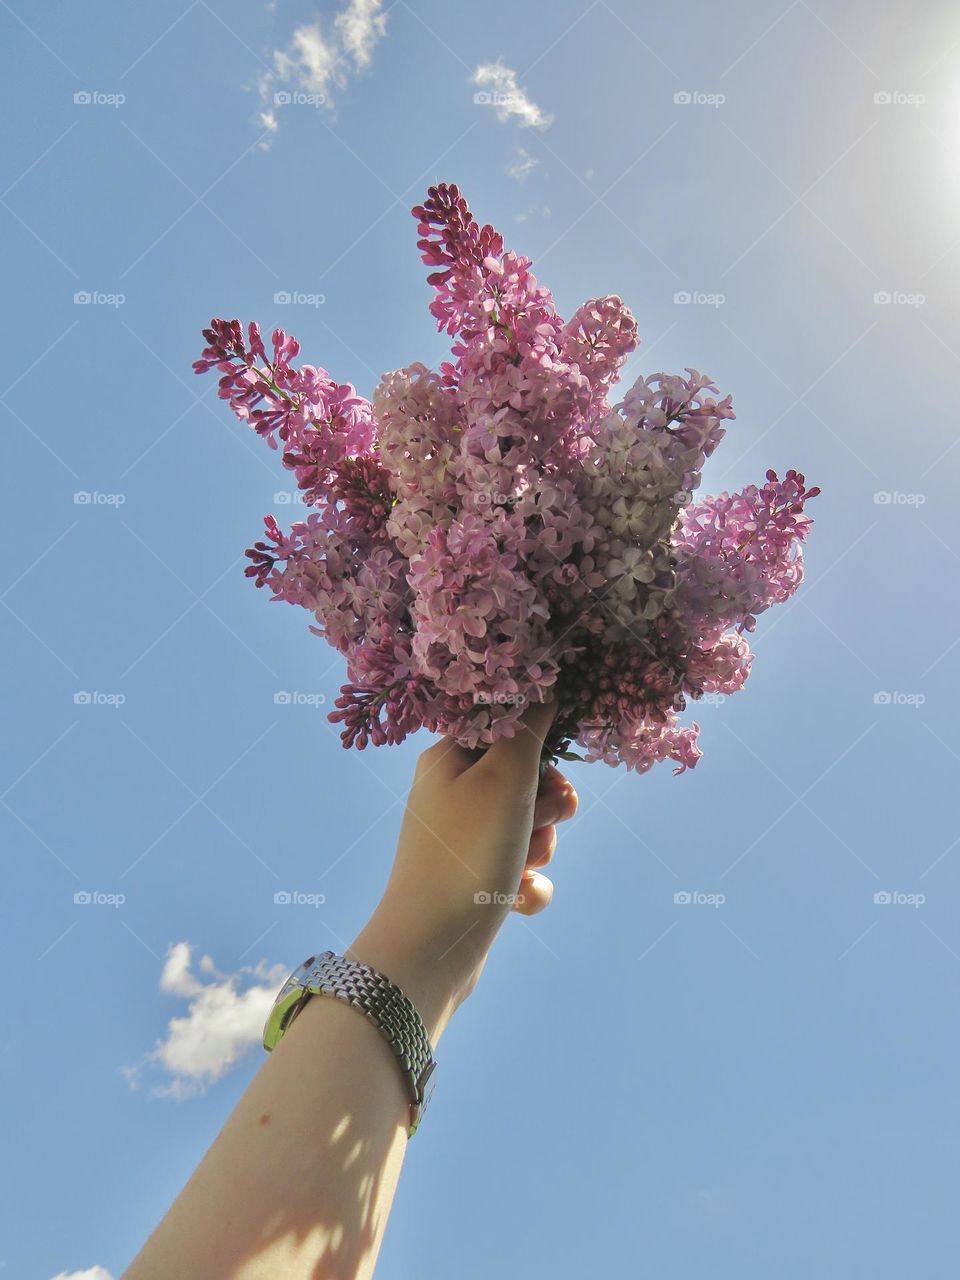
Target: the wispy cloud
(498, 88)
(533, 212)
(359, 27)
(224, 1019)
(317, 62)
(522, 164)
(91, 1273)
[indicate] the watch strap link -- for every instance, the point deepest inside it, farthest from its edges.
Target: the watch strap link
(372, 994)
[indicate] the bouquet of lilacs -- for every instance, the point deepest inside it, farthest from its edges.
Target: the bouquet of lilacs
(495, 533)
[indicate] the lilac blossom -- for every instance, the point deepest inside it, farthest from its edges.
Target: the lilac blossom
(503, 530)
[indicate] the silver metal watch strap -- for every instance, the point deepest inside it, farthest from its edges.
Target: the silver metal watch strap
(372, 994)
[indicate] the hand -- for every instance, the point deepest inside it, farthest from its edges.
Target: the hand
(476, 830)
(299, 1182)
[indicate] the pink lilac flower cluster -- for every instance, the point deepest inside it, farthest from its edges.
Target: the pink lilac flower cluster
(497, 533)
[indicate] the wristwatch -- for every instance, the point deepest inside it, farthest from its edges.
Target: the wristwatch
(374, 995)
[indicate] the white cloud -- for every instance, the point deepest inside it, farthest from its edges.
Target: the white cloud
(498, 88)
(360, 26)
(224, 1019)
(91, 1273)
(315, 62)
(310, 62)
(522, 164)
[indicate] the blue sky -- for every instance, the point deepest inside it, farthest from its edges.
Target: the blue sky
(761, 1087)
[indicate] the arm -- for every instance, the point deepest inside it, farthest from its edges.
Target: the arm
(298, 1184)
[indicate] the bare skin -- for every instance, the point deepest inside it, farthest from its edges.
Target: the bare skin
(299, 1183)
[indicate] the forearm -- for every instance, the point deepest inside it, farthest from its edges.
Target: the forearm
(298, 1184)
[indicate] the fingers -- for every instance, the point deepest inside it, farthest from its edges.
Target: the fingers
(534, 894)
(556, 800)
(444, 760)
(517, 759)
(543, 845)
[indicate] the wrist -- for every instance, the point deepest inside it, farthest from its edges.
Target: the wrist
(435, 962)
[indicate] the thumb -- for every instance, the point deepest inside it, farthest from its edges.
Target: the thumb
(519, 757)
